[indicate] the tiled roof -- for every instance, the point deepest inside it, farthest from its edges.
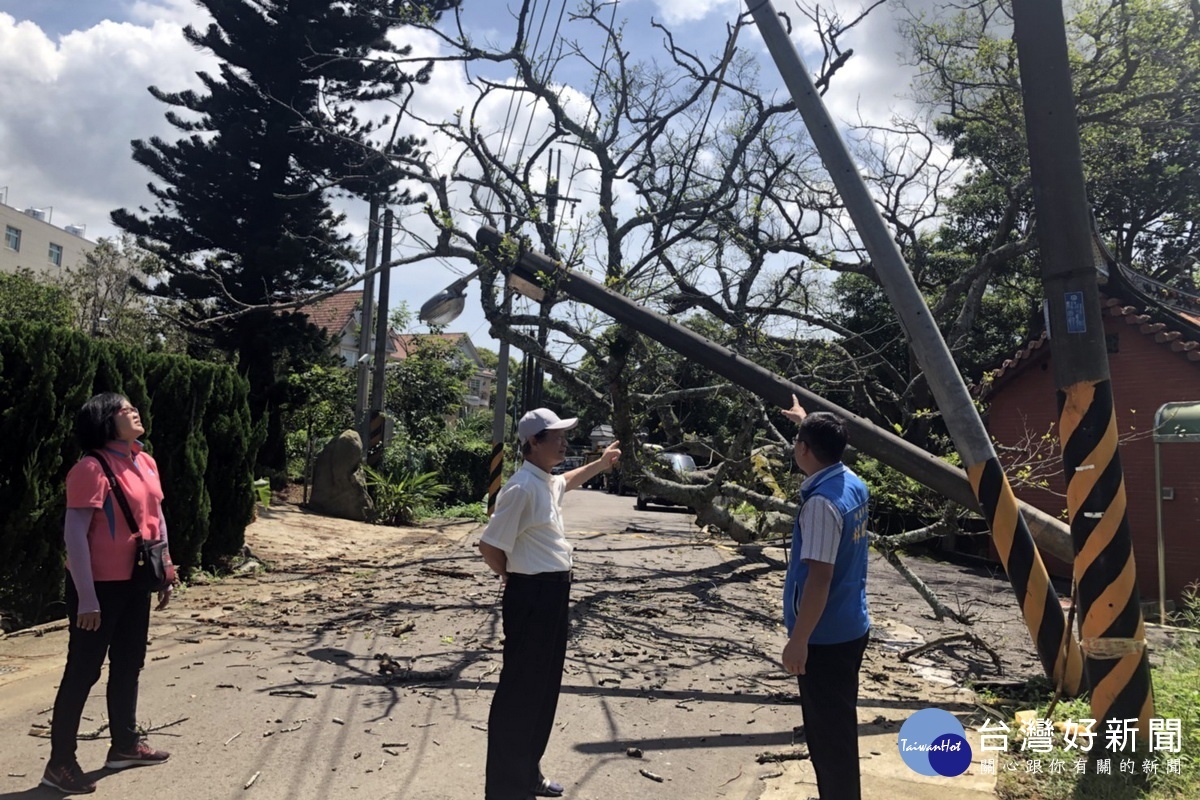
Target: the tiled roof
(1178, 341)
(334, 313)
(404, 343)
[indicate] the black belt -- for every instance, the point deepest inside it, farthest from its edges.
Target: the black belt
(549, 577)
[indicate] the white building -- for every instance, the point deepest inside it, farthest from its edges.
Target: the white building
(31, 242)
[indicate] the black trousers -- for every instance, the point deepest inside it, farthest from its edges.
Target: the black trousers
(829, 701)
(522, 715)
(124, 625)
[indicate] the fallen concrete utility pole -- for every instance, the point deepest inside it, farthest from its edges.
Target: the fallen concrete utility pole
(877, 442)
(1056, 644)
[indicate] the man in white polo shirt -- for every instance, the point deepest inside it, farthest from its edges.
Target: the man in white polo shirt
(525, 544)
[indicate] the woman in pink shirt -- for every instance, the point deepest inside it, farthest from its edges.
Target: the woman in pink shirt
(108, 615)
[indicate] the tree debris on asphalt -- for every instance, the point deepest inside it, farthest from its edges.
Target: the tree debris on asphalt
(779, 756)
(448, 572)
(395, 672)
(960, 636)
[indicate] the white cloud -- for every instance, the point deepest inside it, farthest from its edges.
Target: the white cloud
(873, 83)
(72, 108)
(677, 11)
(74, 103)
(174, 12)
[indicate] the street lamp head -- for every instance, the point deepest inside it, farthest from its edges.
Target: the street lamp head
(445, 306)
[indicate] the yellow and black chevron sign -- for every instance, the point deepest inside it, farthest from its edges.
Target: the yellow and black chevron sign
(494, 473)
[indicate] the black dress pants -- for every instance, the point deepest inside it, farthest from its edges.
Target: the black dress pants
(535, 646)
(829, 701)
(124, 625)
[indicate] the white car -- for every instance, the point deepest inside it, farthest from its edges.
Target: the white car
(680, 464)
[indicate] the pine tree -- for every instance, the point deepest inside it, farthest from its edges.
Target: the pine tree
(241, 217)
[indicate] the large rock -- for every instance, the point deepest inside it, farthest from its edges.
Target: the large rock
(339, 488)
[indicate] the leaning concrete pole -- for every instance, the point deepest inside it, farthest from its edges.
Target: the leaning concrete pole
(1112, 632)
(1056, 646)
(876, 442)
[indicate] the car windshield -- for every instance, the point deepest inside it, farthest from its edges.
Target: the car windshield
(680, 462)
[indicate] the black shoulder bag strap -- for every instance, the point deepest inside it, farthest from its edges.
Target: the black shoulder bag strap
(119, 493)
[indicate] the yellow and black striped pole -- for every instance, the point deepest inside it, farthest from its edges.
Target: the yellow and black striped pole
(1043, 613)
(376, 428)
(1039, 603)
(1112, 632)
(495, 474)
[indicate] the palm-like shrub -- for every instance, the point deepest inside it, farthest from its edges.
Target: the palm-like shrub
(396, 499)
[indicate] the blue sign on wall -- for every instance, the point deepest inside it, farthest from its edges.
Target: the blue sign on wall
(1076, 319)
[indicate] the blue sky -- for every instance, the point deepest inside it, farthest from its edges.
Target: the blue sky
(57, 17)
(74, 74)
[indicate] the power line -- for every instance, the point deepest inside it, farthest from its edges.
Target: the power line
(591, 105)
(551, 59)
(508, 129)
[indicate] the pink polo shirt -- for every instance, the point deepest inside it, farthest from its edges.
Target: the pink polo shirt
(110, 542)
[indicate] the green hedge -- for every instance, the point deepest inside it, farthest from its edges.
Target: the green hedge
(233, 441)
(462, 463)
(197, 427)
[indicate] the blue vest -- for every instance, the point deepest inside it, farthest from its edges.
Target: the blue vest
(845, 617)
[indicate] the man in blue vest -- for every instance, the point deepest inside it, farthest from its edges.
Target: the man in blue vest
(825, 600)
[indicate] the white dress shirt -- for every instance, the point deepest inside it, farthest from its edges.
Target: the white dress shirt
(527, 522)
(820, 523)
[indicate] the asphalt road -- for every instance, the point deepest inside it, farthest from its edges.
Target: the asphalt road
(268, 685)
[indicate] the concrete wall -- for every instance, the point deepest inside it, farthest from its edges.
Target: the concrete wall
(35, 240)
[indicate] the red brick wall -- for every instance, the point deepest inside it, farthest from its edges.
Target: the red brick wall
(1145, 374)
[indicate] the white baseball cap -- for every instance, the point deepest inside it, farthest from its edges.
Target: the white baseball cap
(542, 419)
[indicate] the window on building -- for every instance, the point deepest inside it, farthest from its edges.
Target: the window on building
(55, 254)
(475, 385)
(12, 238)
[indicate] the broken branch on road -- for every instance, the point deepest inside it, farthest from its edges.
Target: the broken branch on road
(954, 637)
(778, 756)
